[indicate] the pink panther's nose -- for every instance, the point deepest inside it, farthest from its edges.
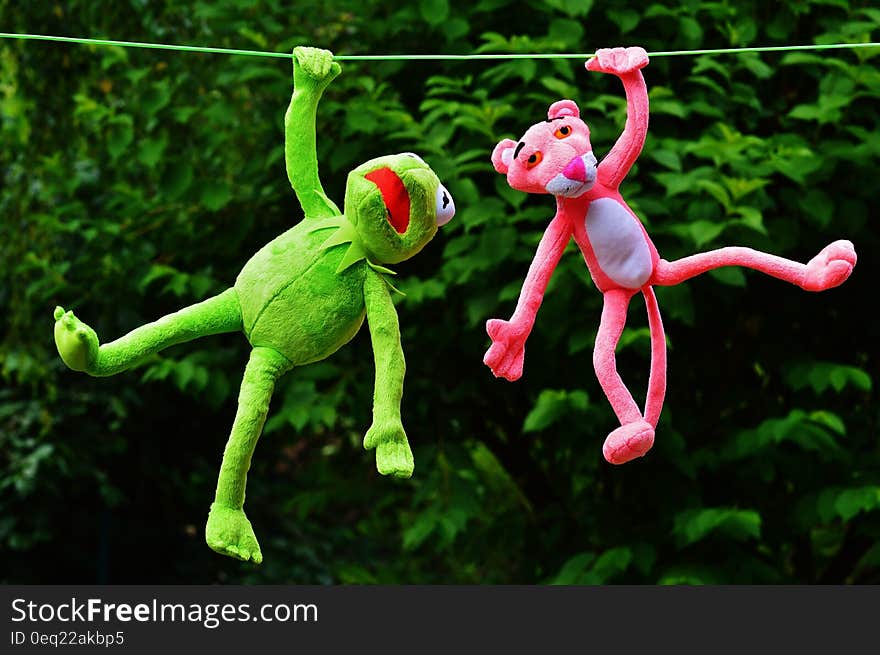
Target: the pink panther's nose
(575, 170)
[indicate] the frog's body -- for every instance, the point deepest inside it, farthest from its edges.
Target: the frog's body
(293, 301)
(299, 299)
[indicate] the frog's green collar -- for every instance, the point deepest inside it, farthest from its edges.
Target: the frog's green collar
(344, 233)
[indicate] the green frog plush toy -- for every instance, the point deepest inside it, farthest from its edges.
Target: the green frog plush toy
(299, 299)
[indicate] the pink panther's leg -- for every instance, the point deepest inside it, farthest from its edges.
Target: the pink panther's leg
(635, 436)
(657, 378)
(830, 268)
(604, 362)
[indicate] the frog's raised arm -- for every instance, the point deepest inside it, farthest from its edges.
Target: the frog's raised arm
(386, 435)
(313, 70)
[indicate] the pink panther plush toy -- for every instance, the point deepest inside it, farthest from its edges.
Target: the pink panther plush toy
(555, 157)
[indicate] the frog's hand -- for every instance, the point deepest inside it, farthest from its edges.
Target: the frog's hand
(313, 70)
(393, 456)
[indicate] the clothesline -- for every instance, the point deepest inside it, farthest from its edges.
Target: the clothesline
(425, 57)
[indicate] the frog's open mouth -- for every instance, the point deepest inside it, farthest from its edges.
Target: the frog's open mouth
(394, 195)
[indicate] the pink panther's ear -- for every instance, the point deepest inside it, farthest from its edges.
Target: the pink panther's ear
(502, 156)
(563, 108)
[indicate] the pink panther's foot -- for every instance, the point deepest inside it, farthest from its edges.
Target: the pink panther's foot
(831, 267)
(628, 442)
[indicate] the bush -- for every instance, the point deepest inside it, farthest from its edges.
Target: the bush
(139, 181)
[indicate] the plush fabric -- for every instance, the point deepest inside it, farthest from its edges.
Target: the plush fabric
(78, 344)
(299, 299)
(555, 156)
(618, 243)
(386, 435)
(228, 530)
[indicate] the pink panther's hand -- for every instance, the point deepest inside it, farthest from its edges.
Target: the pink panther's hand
(505, 356)
(618, 61)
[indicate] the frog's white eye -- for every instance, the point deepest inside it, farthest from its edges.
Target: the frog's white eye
(414, 156)
(445, 206)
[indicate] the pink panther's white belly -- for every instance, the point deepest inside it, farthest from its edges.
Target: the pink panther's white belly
(618, 243)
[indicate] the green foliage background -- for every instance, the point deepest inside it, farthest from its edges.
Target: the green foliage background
(135, 182)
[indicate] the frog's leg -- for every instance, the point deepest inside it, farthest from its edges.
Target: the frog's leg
(228, 530)
(79, 347)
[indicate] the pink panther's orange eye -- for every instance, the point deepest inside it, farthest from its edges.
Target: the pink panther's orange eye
(562, 132)
(534, 159)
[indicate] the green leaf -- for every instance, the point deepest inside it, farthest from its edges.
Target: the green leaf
(435, 12)
(668, 158)
(797, 427)
(566, 32)
(751, 218)
(156, 97)
(821, 376)
(609, 564)
(547, 410)
(740, 187)
(574, 569)
(513, 196)
(156, 272)
(715, 190)
(869, 561)
(455, 29)
(818, 205)
(806, 112)
(758, 68)
(150, 151)
(737, 524)
(216, 194)
(665, 101)
(559, 87)
(829, 420)
(690, 31)
(176, 179)
(182, 114)
(572, 8)
(677, 302)
(415, 535)
(553, 404)
(625, 19)
(729, 275)
(586, 568)
(702, 232)
(851, 502)
(687, 576)
(119, 135)
(578, 341)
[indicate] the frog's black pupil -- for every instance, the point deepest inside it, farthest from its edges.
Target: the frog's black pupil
(445, 201)
(532, 159)
(564, 130)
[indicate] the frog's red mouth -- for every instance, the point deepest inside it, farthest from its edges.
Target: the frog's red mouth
(394, 195)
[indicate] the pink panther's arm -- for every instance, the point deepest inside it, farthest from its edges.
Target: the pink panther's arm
(505, 356)
(626, 63)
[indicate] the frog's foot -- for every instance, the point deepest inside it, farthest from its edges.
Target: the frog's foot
(393, 454)
(229, 532)
(395, 458)
(628, 442)
(77, 343)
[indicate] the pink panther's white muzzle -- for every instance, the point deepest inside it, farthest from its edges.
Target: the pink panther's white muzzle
(576, 178)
